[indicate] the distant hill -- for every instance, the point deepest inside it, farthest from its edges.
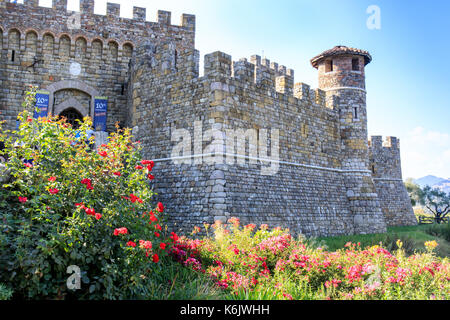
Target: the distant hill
(434, 182)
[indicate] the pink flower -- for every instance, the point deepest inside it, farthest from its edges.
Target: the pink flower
(98, 216)
(145, 244)
(52, 179)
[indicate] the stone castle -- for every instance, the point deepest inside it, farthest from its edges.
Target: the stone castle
(303, 158)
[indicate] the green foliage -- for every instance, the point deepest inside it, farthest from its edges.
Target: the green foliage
(5, 292)
(414, 191)
(62, 206)
(442, 230)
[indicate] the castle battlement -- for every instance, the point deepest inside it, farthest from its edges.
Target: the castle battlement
(112, 11)
(268, 78)
(377, 143)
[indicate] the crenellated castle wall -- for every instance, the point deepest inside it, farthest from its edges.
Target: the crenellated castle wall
(308, 191)
(243, 140)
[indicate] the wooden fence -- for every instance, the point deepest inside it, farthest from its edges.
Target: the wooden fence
(428, 220)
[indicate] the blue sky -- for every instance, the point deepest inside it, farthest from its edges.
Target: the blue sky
(408, 80)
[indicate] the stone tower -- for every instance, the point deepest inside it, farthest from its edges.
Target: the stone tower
(342, 77)
(341, 74)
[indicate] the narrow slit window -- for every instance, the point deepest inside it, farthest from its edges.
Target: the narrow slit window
(13, 55)
(355, 112)
(123, 90)
(355, 64)
(328, 65)
(176, 59)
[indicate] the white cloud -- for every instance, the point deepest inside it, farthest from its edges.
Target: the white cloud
(426, 152)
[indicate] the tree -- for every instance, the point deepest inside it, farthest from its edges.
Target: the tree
(414, 191)
(437, 202)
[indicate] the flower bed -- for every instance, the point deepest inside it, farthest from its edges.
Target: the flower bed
(271, 264)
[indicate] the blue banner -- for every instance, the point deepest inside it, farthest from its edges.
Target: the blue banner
(42, 98)
(100, 111)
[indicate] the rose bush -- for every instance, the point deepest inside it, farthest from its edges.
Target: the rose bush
(63, 206)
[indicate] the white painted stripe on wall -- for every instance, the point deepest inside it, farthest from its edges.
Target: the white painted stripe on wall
(262, 160)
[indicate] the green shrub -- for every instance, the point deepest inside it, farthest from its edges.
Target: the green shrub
(439, 230)
(69, 205)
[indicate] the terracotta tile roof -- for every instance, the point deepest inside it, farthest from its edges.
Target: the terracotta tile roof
(339, 50)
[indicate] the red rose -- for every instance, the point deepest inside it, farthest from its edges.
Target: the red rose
(131, 244)
(152, 217)
(117, 174)
(174, 236)
(138, 167)
(157, 234)
(23, 199)
(86, 181)
(160, 207)
(28, 165)
(53, 190)
(89, 211)
(155, 258)
(52, 179)
(133, 198)
(150, 176)
(122, 230)
(162, 246)
(158, 227)
(98, 216)
(103, 153)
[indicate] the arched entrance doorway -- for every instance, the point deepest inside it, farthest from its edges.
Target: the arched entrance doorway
(71, 102)
(72, 116)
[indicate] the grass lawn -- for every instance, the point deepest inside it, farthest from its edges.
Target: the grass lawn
(413, 238)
